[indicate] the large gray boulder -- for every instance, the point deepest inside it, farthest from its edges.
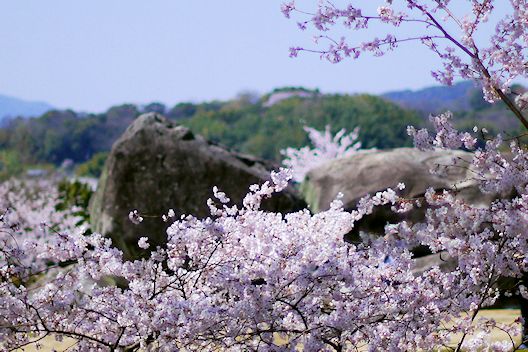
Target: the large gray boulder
(371, 171)
(442, 260)
(156, 166)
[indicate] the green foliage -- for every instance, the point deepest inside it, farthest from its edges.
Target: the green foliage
(476, 100)
(93, 167)
(156, 107)
(243, 123)
(265, 131)
(496, 118)
(10, 164)
(59, 135)
(76, 195)
(182, 110)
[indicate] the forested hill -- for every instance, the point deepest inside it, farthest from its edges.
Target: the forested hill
(459, 97)
(466, 102)
(258, 125)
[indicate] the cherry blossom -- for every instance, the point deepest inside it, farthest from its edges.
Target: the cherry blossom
(247, 279)
(325, 148)
(452, 36)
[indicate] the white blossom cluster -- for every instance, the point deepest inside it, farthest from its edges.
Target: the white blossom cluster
(325, 148)
(30, 219)
(446, 135)
(247, 279)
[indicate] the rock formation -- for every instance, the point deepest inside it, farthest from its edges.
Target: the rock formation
(156, 166)
(371, 171)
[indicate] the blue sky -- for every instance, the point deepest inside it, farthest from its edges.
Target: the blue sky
(89, 55)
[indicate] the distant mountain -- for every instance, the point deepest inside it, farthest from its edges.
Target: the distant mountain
(13, 107)
(465, 100)
(458, 97)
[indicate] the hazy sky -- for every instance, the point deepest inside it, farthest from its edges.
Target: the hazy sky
(91, 54)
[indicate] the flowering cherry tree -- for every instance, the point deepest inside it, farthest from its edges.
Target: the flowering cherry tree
(246, 279)
(325, 148)
(452, 36)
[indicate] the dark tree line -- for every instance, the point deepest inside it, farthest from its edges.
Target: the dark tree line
(247, 124)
